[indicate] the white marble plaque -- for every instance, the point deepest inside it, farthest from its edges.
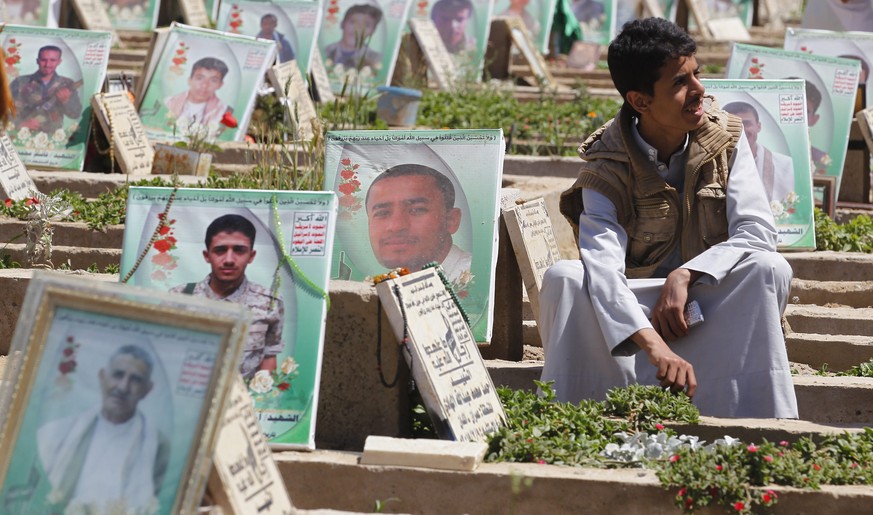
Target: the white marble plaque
(439, 60)
(92, 15)
(322, 81)
(244, 477)
(121, 123)
(523, 41)
(443, 357)
(16, 182)
(293, 93)
(194, 13)
(534, 244)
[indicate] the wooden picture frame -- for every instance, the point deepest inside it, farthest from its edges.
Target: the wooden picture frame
(828, 186)
(92, 359)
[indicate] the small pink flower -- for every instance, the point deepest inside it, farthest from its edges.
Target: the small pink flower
(719, 468)
(783, 443)
(739, 506)
(541, 462)
(752, 448)
(674, 458)
(659, 427)
(768, 459)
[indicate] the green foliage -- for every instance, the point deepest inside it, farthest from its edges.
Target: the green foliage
(854, 236)
(863, 370)
(6, 261)
(646, 406)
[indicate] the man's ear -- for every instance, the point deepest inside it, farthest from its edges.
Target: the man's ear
(812, 119)
(453, 220)
(638, 100)
(206, 256)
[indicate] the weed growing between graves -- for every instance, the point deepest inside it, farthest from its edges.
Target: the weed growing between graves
(727, 472)
(854, 236)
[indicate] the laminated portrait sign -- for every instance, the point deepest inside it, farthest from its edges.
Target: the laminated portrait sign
(359, 41)
(535, 14)
(132, 15)
(38, 13)
(831, 86)
(443, 357)
(597, 18)
(118, 119)
(409, 198)
(463, 26)
(202, 83)
(521, 39)
(292, 24)
(839, 15)
(113, 397)
(848, 45)
(53, 111)
(774, 120)
(181, 242)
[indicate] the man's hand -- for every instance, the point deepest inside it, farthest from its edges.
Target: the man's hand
(668, 316)
(63, 95)
(673, 371)
(268, 363)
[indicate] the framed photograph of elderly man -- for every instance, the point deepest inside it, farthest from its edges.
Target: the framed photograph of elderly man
(409, 198)
(774, 122)
(292, 24)
(202, 83)
(269, 251)
(112, 397)
(53, 74)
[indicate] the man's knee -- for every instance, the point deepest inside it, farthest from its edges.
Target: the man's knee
(772, 264)
(563, 274)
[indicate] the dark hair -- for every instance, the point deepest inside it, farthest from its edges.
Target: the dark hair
(370, 10)
(641, 49)
(407, 170)
(230, 223)
(741, 107)
(455, 6)
(50, 47)
(138, 353)
(210, 63)
(269, 16)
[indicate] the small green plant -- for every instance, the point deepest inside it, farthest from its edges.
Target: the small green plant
(380, 505)
(862, 370)
(854, 236)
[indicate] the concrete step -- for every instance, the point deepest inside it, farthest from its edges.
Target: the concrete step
(856, 294)
(77, 258)
(66, 234)
(838, 352)
(834, 320)
(831, 266)
(822, 400)
(519, 488)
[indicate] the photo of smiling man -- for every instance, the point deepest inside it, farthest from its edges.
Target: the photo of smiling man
(229, 251)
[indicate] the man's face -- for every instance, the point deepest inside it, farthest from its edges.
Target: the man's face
(203, 84)
(408, 222)
(676, 107)
(358, 27)
(811, 116)
(268, 25)
(452, 25)
(48, 61)
(751, 127)
(229, 254)
(123, 384)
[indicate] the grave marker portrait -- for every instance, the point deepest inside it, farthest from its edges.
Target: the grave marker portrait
(831, 86)
(535, 15)
(774, 120)
(281, 244)
(408, 198)
(132, 15)
(51, 125)
(113, 397)
(38, 13)
(201, 84)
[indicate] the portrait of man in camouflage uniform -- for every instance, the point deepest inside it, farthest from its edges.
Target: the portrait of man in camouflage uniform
(230, 241)
(44, 98)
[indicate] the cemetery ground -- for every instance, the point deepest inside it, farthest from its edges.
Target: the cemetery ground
(830, 318)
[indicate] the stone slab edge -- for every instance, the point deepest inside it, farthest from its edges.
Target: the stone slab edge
(414, 452)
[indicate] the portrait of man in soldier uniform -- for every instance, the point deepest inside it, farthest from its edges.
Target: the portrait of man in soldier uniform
(44, 99)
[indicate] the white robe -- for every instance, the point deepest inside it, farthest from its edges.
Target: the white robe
(588, 309)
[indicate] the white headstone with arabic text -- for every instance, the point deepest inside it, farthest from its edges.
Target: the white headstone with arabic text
(14, 179)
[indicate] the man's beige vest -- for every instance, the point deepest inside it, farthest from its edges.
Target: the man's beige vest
(648, 208)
